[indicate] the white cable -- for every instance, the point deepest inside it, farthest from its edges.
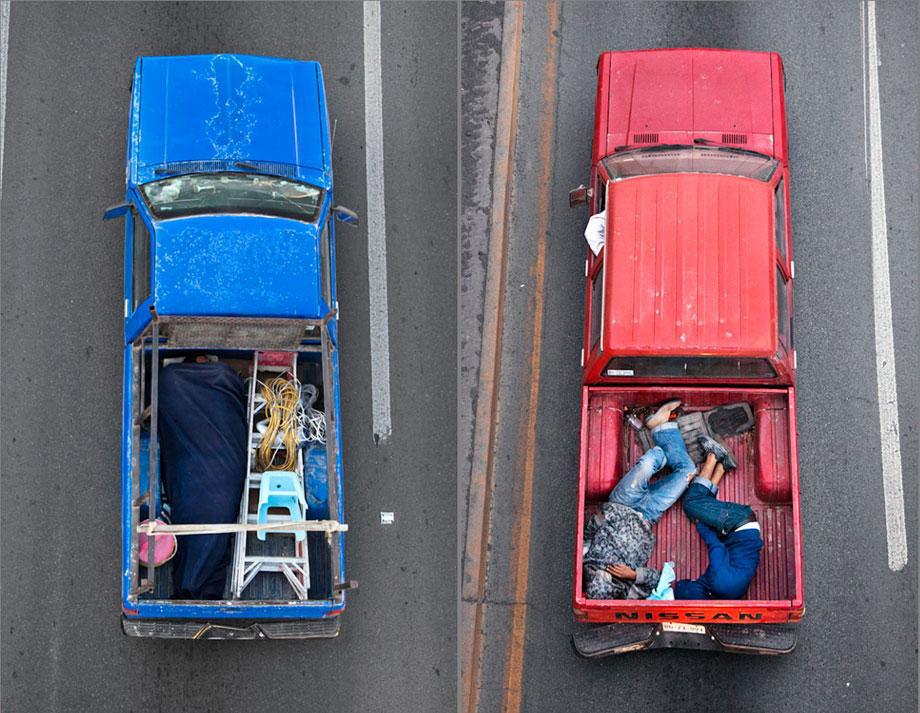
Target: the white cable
(311, 423)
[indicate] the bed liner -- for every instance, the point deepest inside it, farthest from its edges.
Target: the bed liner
(677, 539)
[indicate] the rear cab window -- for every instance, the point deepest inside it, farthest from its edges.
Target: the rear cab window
(695, 367)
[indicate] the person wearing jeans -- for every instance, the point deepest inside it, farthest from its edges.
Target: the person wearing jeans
(619, 540)
(729, 530)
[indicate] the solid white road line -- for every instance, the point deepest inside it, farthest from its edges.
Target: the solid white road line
(4, 51)
(376, 224)
(884, 331)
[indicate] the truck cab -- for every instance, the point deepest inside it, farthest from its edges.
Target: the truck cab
(230, 257)
(690, 297)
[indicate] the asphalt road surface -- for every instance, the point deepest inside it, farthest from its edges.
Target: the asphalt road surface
(69, 73)
(857, 647)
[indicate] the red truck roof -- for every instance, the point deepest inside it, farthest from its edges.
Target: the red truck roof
(690, 266)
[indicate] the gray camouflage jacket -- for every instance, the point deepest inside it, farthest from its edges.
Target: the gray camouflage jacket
(618, 536)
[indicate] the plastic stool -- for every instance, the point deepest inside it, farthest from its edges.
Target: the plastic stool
(282, 489)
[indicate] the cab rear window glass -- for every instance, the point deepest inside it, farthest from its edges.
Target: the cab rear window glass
(697, 367)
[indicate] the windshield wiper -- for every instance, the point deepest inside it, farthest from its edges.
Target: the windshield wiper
(732, 149)
(163, 169)
(245, 165)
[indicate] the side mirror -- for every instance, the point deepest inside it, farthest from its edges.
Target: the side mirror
(345, 215)
(115, 211)
(579, 196)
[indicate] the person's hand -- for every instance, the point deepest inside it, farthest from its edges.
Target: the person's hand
(621, 571)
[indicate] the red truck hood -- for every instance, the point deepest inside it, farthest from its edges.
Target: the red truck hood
(674, 96)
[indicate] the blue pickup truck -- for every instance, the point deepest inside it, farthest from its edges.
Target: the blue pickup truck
(231, 470)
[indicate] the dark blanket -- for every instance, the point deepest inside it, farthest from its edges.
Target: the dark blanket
(203, 449)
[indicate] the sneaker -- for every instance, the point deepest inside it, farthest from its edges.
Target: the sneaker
(722, 454)
(662, 415)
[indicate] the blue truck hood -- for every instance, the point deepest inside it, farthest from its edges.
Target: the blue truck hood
(225, 108)
(238, 265)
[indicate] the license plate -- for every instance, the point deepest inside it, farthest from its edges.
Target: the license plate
(683, 628)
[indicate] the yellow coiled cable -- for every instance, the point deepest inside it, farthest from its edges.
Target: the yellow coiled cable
(282, 397)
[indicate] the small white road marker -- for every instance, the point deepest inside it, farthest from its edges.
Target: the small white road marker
(376, 224)
(892, 479)
(387, 518)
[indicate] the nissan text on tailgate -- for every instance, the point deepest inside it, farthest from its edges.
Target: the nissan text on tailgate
(690, 298)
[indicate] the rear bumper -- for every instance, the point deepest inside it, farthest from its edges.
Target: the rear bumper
(230, 629)
(611, 639)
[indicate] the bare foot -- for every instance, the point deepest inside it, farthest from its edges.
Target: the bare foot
(662, 415)
(717, 473)
(708, 466)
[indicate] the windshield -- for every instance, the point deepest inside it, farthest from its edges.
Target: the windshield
(690, 159)
(203, 193)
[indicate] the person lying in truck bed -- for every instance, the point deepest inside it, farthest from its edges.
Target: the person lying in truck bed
(619, 540)
(730, 530)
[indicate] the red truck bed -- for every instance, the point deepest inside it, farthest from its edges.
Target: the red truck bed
(764, 479)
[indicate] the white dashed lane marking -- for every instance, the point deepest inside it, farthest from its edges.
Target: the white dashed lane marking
(376, 224)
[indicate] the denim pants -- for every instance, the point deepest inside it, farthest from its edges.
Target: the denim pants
(651, 501)
(700, 503)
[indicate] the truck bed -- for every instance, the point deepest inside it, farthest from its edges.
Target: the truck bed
(267, 586)
(763, 479)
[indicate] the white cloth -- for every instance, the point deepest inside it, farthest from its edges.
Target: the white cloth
(748, 526)
(665, 580)
(596, 232)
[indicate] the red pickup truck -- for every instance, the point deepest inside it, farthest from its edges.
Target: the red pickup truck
(690, 297)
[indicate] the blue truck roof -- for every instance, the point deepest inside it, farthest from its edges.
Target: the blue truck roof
(237, 265)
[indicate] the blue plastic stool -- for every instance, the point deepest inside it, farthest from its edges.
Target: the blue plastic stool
(282, 489)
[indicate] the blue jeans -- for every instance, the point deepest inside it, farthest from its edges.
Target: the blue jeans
(700, 504)
(651, 501)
